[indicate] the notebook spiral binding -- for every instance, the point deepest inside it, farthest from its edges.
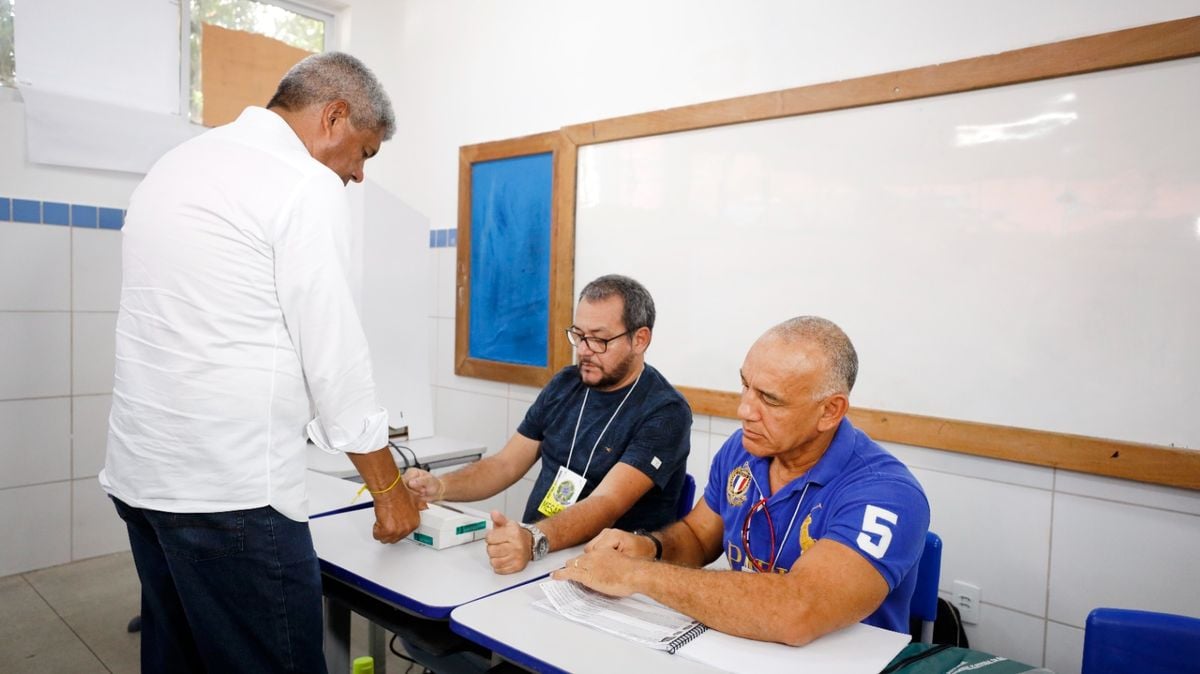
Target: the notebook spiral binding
(683, 639)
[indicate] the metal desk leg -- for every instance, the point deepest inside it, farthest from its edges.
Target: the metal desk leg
(337, 636)
(377, 646)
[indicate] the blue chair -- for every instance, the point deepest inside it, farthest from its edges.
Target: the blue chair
(1122, 641)
(687, 497)
(925, 596)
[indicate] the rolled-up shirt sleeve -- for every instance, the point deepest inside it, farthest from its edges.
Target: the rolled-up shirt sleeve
(311, 262)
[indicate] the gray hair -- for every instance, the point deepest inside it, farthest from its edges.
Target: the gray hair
(840, 357)
(638, 311)
(330, 76)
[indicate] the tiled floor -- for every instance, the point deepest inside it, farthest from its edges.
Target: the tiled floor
(72, 618)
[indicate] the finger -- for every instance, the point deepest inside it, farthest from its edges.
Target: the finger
(498, 519)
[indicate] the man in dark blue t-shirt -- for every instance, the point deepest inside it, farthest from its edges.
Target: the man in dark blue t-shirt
(612, 434)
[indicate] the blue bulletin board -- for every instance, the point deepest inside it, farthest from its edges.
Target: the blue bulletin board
(515, 268)
(510, 259)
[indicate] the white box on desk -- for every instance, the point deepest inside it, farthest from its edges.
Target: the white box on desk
(446, 526)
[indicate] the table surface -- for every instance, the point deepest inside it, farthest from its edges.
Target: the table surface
(510, 625)
(328, 494)
(437, 449)
(428, 582)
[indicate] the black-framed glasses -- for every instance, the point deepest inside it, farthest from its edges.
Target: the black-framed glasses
(594, 344)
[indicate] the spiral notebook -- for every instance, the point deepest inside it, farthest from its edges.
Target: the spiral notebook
(853, 650)
(634, 618)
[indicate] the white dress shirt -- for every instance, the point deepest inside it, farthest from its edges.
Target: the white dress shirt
(236, 329)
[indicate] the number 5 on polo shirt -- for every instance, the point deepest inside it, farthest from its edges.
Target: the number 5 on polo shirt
(875, 522)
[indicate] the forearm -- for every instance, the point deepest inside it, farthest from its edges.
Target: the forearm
(378, 468)
(581, 522)
(479, 480)
(757, 606)
(681, 545)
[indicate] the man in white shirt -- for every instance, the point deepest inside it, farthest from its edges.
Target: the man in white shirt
(236, 335)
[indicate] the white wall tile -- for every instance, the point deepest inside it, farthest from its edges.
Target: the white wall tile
(471, 416)
(35, 355)
(446, 260)
(699, 462)
(35, 531)
(96, 270)
(1039, 477)
(34, 267)
(433, 350)
(1124, 556)
(701, 423)
(1064, 648)
(1127, 491)
(89, 435)
(995, 536)
(517, 409)
(35, 441)
(1009, 634)
(94, 352)
(445, 366)
(526, 393)
(723, 427)
(96, 529)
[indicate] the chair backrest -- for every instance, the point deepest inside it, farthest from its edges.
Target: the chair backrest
(687, 497)
(1123, 641)
(925, 597)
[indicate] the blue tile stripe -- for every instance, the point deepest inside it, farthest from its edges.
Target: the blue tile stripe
(37, 212)
(34, 212)
(443, 238)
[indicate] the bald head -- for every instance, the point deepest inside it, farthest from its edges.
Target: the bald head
(830, 343)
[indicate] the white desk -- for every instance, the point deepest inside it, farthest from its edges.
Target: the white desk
(390, 583)
(328, 495)
(510, 626)
(435, 452)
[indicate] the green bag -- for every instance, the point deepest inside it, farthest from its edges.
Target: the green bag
(944, 659)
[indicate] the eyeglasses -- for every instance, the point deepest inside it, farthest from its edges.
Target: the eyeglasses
(594, 344)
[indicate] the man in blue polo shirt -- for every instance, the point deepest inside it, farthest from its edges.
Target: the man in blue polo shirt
(829, 525)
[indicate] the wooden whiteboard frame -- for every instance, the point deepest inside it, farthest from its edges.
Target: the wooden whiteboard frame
(1118, 49)
(562, 258)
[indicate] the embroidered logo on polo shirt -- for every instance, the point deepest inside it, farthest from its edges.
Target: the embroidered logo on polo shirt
(737, 485)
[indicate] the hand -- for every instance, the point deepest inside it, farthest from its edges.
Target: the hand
(397, 514)
(426, 485)
(509, 545)
(604, 570)
(622, 541)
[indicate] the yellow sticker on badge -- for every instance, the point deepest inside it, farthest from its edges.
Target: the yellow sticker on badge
(563, 492)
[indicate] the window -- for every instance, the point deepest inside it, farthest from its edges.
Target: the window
(238, 50)
(8, 56)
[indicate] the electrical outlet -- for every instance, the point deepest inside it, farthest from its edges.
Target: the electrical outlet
(966, 598)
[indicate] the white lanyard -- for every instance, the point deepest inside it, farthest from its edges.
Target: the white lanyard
(610, 420)
(788, 533)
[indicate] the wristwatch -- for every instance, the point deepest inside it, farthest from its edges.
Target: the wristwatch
(541, 544)
(657, 542)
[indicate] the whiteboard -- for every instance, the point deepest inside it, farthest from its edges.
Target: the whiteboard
(1026, 255)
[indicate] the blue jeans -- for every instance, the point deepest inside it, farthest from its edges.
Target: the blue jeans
(226, 592)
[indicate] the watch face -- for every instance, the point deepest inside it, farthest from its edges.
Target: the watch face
(542, 546)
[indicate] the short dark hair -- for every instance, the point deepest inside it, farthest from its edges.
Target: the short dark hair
(321, 78)
(638, 310)
(840, 357)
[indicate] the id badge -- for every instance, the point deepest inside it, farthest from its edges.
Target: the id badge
(564, 491)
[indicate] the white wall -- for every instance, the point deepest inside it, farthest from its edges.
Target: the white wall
(59, 288)
(1045, 546)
